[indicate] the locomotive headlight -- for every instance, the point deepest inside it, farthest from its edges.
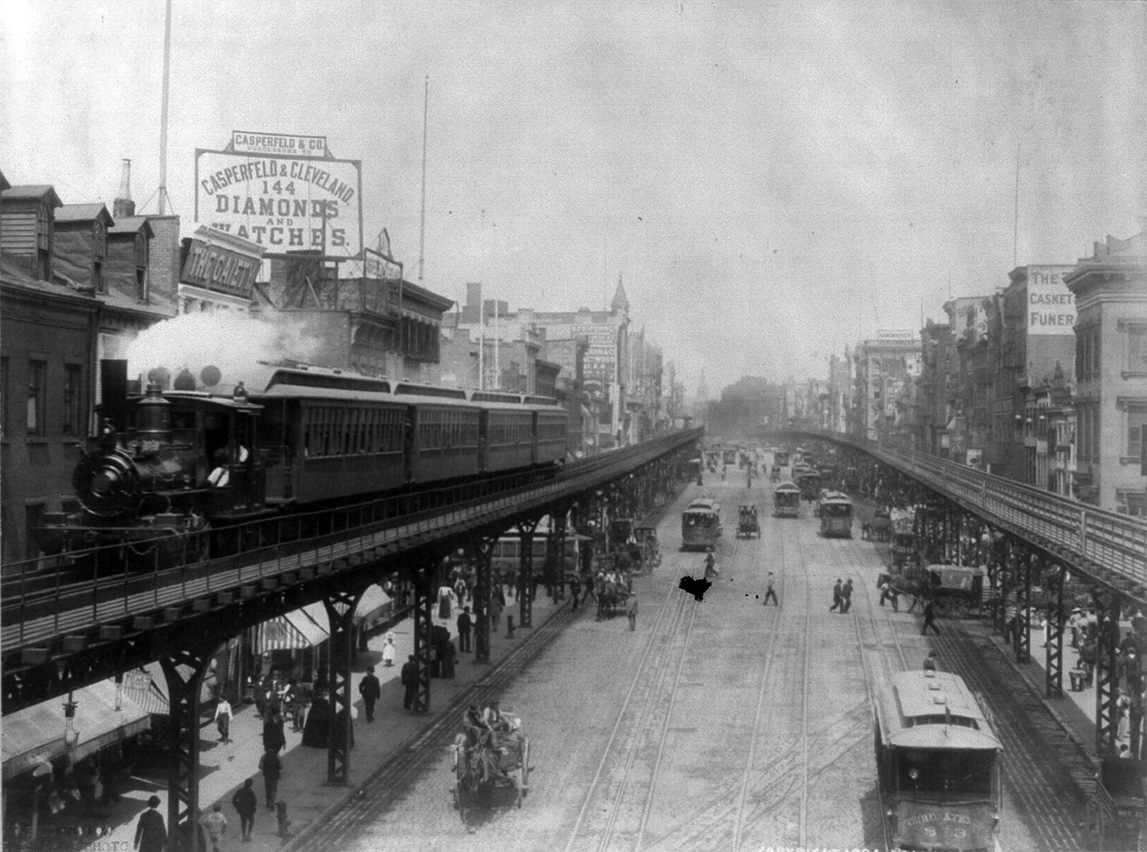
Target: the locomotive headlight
(914, 773)
(105, 481)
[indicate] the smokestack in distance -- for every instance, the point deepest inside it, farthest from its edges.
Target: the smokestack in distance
(123, 206)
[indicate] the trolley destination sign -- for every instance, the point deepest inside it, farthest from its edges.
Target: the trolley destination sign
(284, 192)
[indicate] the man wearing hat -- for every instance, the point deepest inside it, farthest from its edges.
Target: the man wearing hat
(151, 833)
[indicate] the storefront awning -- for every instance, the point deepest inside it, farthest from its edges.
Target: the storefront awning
(374, 606)
(302, 628)
(147, 687)
(36, 734)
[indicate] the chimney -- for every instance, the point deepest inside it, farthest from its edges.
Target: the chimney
(123, 206)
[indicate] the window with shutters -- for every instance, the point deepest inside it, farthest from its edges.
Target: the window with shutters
(73, 376)
(37, 378)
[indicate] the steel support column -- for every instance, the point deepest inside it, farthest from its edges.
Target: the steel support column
(556, 553)
(1021, 632)
(526, 572)
(483, 547)
(340, 606)
(1106, 679)
(1055, 623)
(184, 672)
(424, 589)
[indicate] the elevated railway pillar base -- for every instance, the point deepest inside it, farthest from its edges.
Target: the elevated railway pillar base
(482, 548)
(555, 553)
(1056, 620)
(1107, 607)
(424, 587)
(340, 606)
(1021, 625)
(526, 572)
(184, 671)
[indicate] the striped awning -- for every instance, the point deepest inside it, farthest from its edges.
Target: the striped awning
(35, 735)
(147, 687)
(374, 606)
(302, 628)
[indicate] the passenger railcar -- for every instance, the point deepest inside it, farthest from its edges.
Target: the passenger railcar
(835, 510)
(938, 764)
(299, 438)
(700, 525)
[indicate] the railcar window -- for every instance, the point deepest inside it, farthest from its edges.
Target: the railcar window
(946, 771)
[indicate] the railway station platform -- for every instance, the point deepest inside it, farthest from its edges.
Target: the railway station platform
(225, 766)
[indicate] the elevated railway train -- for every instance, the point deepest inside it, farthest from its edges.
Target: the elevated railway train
(298, 438)
(938, 765)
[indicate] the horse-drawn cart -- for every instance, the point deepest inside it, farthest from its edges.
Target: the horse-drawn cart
(487, 761)
(747, 524)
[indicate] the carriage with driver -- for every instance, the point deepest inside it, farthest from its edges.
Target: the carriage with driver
(489, 757)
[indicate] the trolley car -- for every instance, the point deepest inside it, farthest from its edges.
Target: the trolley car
(786, 501)
(700, 525)
(938, 764)
(835, 510)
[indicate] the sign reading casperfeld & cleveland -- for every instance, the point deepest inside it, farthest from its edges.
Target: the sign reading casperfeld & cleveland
(284, 192)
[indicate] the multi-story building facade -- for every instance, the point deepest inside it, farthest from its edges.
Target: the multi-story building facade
(884, 386)
(1110, 290)
(1036, 320)
(607, 360)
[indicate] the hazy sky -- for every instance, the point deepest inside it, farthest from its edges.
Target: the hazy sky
(774, 180)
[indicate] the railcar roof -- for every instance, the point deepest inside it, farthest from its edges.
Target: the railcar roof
(208, 400)
(284, 391)
(786, 486)
(926, 709)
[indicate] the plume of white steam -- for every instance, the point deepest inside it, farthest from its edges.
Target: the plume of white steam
(232, 341)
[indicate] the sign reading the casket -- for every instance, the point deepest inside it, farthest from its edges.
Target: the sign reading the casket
(216, 260)
(284, 192)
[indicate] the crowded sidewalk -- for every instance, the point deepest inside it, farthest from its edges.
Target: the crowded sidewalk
(224, 766)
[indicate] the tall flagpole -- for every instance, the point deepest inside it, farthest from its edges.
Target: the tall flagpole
(1016, 215)
(163, 112)
(422, 224)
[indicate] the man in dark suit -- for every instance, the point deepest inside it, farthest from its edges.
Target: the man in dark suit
(409, 683)
(151, 833)
(370, 690)
(465, 624)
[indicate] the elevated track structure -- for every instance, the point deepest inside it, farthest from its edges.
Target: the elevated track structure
(1020, 534)
(72, 619)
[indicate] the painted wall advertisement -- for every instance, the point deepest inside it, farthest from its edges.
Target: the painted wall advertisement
(1051, 306)
(283, 192)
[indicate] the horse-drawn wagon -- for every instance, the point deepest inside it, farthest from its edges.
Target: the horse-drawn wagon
(747, 524)
(489, 759)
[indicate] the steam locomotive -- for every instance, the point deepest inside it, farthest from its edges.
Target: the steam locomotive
(199, 457)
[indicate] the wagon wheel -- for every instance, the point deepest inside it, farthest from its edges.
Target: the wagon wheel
(943, 605)
(960, 607)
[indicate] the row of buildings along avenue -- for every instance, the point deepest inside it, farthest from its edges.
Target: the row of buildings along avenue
(1043, 381)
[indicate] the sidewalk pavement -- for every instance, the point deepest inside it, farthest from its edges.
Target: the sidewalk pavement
(1075, 711)
(225, 766)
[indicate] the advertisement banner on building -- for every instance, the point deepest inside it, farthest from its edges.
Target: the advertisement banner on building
(282, 202)
(219, 261)
(1051, 306)
(377, 265)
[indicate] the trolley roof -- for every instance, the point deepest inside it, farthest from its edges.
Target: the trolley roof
(786, 486)
(933, 710)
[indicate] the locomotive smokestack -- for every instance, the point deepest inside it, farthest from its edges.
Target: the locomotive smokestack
(153, 420)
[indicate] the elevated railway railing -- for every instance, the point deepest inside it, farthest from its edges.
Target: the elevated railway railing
(75, 598)
(1111, 545)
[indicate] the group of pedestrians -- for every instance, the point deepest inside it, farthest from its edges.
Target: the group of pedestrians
(841, 596)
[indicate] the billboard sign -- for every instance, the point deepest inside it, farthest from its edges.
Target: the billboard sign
(220, 261)
(377, 265)
(281, 144)
(1051, 306)
(282, 202)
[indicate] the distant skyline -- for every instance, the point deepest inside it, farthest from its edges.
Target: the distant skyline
(774, 181)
